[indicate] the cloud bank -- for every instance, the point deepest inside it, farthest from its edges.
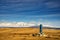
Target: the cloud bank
(22, 24)
(16, 24)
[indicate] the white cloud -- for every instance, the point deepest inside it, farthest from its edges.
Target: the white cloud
(29, 24)
(20, 24)
(16, 24)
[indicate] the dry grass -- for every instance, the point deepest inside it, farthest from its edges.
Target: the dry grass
(26, 34)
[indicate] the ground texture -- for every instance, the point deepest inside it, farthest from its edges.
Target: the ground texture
(27, 34)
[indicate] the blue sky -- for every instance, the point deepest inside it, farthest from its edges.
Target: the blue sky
(46, 12)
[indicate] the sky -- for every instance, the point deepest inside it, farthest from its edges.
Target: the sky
(25, 13)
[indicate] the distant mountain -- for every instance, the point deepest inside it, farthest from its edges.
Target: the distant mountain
(33, 27)
(50, 28)
(45, 27)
